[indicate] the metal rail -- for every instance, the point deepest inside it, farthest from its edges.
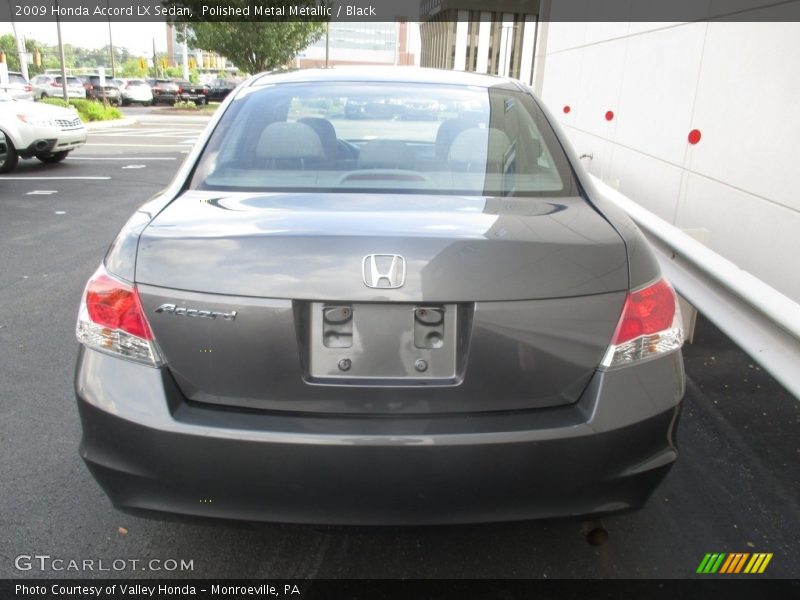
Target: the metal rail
(761, 320)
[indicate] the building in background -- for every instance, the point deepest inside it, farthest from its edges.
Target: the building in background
(361, 44)
(463, 35)
(206, 63)
(698, 122)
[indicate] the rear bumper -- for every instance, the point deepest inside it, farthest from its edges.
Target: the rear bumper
(151, 450)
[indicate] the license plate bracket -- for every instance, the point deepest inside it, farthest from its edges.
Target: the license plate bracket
(389, 343)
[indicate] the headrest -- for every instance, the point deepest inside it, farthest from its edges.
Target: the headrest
(326, 132)
(448, 131)
(471, 146)
(289, 140)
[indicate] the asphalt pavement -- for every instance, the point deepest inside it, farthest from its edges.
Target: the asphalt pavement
(735, 488)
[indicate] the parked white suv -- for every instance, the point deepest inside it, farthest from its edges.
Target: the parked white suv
(31, 129)
(17, 87)
(134, 90)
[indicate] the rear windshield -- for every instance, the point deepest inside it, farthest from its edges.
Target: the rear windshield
(384, 137)
(70, 81)
(16, 78)
(136, 82)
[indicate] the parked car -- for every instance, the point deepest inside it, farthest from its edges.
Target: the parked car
(46, 86)
(95, 91)
(46, 132)
(134, 91)
(220, 88)
(319, 327)
(164, 90)
(194, 92)
(17, 87)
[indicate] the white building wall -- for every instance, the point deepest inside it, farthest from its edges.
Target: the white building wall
(738, 83)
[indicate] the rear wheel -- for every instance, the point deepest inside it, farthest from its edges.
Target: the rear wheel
(12, 158)
(55, 157)
(125, 102)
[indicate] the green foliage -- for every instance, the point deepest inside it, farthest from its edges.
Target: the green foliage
(73, 56)
(132, 69)
(185, 105)
(252, 46)
(55, 102)
(88, 110)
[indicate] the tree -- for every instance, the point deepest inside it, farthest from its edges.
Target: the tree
(132, 69)
(252, 46)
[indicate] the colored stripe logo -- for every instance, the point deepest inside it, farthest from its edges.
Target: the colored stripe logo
(734, 562)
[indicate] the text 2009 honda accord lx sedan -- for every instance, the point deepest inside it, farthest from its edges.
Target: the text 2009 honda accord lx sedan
(422, 314)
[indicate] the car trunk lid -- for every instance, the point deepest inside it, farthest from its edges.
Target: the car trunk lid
(240, 289)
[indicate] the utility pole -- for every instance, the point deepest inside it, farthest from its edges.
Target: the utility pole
(111, 43)
(22, 52)
(327, 41)
(155, 60)
(61, 56)
(185, 61)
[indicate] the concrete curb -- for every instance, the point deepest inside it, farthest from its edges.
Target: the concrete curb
(91, 125)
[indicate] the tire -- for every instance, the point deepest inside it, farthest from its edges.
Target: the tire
(55, 157)
(43, 96)
(146, 103)
(125, 102)
(12, 158)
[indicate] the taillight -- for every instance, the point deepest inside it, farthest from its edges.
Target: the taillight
(28, 87)
(111, 319)
(650, 325)
(127, 85)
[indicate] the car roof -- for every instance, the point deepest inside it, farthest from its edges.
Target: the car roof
(384, 74)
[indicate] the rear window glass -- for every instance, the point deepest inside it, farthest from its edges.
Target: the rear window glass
(385, 137)
(16, 78)
(136, 82)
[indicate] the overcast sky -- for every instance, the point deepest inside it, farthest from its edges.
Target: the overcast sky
(136, 37)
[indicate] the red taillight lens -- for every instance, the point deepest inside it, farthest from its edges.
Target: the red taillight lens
(646, 311)
(127, 85)
(28, 88)
(111, 319)
(115, 305)
(650, 325)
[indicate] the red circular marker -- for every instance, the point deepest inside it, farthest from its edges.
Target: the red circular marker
(694, 136)
(609, 115)
(567, 109)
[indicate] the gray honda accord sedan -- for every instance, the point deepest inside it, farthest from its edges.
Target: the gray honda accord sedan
(379, 297)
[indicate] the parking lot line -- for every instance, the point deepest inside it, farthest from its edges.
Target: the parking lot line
(135, 145)
(121, 158)
(50, 178)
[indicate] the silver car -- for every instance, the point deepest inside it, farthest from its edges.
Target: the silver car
(46, 86)
(379, 321)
